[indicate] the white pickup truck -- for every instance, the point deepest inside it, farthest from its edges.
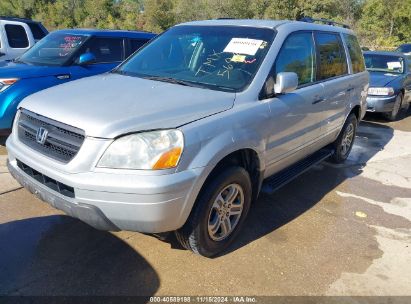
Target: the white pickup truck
(17, 35)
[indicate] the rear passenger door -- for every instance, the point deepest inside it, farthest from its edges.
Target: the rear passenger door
(332, 71)
(134, 45)
(296, 122)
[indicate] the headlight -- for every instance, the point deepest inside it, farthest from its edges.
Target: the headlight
(7, 82)
(145, 151)
(381, 91)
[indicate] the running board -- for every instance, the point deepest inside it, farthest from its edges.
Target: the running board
(273, 183)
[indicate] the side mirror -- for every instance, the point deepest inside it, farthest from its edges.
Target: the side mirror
(286, 82)
(86, 58)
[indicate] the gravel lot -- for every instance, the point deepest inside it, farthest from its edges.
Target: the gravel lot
(336, 230)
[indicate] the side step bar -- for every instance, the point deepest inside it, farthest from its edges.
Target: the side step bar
(273, 183)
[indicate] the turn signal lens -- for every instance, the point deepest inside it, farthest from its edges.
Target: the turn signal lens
(9, 81)
(6, 83)
(168, 160)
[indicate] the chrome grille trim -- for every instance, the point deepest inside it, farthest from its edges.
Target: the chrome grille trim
(63, 141)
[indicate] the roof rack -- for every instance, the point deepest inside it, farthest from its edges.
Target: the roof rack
(325, 21)
(12, 18)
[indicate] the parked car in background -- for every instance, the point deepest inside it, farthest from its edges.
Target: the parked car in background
(60, 57)
(181, 136)
(390, 83)
(404, 48)
(17, 35)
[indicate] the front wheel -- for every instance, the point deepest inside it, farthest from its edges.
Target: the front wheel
(345, 140)
(218, 214)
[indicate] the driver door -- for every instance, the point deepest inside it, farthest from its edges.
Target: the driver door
(109, 52)
(296, 116)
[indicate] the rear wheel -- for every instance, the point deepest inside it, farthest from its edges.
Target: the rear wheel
(218, 214)
(393, 115)
(345, 140)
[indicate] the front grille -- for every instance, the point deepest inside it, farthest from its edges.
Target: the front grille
(47, 181)
(62, 141)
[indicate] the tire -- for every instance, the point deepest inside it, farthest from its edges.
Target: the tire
(345, 140)
(406, 107)
(198, 234)
(393, 115)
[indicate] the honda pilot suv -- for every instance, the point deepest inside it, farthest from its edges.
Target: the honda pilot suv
(184, 134)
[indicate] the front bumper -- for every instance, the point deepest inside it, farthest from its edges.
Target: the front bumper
(380, 103)
(153, 204)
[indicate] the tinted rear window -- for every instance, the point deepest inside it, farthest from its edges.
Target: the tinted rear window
(357, 58)
(16, 35)
(37, 31)
(331, 56)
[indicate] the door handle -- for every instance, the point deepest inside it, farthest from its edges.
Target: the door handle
(350, 89)
(318, 100)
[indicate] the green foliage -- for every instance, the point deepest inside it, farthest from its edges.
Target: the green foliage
(379, 23)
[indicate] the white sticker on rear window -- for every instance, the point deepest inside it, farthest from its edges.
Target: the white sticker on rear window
(243, 46)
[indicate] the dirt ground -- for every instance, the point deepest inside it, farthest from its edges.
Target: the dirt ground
(335, 230)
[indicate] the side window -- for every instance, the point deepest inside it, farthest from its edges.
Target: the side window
(332, 60)
(106, 50)
(36, 30)
(357, 58)
(16, 35)
(298, 55)
(135, 44)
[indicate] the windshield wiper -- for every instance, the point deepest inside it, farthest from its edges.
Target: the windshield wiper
(172, 80)
(18, 60)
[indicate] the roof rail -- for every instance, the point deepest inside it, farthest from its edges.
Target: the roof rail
(325, 21)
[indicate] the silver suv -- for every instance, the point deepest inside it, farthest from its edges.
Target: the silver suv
(184, 134)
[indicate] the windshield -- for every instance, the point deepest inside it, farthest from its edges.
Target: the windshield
(217, 57)
(54, 49)
(384, 63)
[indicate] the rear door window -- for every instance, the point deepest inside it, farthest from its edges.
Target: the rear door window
(17, 36)
(332, 60)
(106, 50)
(357, 58)
(135, 44)
(298, 55)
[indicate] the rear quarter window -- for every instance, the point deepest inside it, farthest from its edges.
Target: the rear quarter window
(354, 49)
(17, 36)
(331, 54)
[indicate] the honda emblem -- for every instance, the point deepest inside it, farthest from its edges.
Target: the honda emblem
(41, 135)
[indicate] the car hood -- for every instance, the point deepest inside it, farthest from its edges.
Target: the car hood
(378, 79)
(10, 69)
(110, 105)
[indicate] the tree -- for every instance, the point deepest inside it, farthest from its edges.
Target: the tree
(385, 22)
(21, 8)
(159, 15)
